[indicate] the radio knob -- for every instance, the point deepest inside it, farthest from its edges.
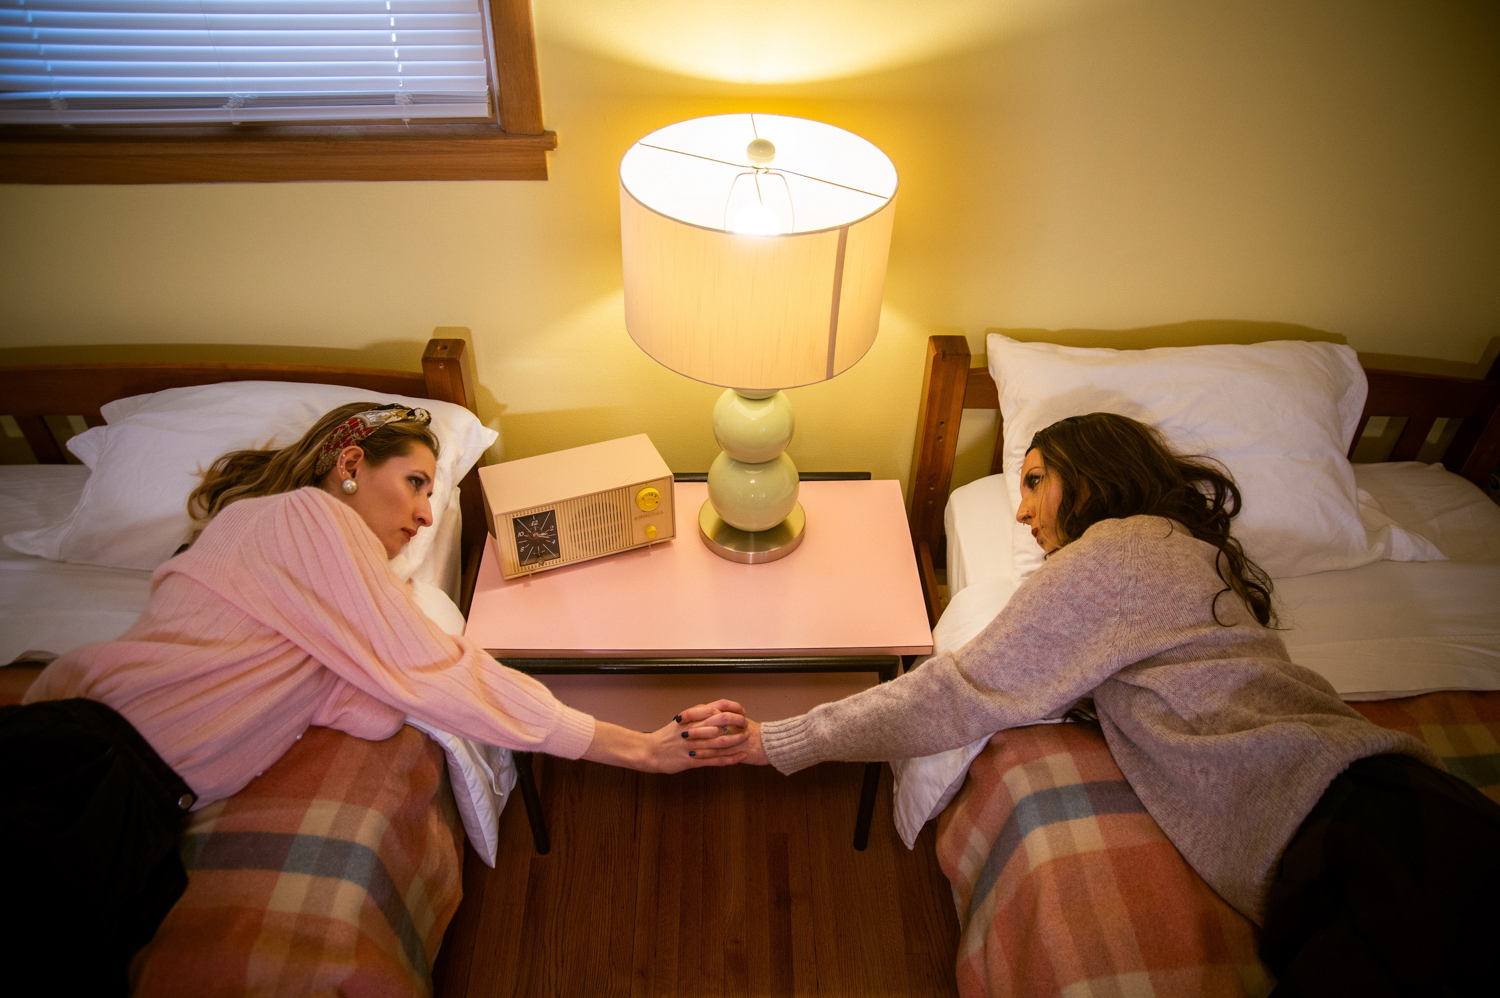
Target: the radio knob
(650, 533)
(648, 499)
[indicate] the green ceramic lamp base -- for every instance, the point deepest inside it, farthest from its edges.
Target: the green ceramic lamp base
(752, 515)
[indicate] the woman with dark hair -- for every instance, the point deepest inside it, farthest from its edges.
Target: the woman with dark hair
(1370, 870)
(282, 614)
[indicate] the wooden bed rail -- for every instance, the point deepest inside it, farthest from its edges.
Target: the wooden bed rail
(448, 370)
(950, 385)
(939, 409)
(31, 392)
(1425, 398)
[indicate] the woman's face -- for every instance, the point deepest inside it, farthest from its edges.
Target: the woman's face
(1041, 492)
(394, 498)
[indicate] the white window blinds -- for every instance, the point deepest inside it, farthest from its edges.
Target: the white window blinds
(124, 61)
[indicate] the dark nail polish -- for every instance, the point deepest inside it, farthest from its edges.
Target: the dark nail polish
(692, 753)
(678, 718)
(684, 734)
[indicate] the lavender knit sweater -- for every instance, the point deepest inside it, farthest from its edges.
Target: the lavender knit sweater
(1228, 744)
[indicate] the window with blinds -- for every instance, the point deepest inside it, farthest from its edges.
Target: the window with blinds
(233, 61)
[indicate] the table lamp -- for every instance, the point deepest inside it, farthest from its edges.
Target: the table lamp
(754, 250)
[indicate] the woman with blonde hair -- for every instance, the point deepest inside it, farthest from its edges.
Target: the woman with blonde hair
(282, 614)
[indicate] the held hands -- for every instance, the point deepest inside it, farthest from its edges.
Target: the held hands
(696, 724)
(754, 749)
(711, 734)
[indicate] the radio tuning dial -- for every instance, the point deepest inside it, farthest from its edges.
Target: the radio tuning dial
(648, 499)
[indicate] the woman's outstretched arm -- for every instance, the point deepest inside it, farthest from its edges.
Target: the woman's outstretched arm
(310, 569)
(1063, 633)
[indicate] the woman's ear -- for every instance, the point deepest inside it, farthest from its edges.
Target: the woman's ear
(349, 459)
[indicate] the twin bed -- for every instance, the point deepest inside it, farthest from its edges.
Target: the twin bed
(339, 868)
(1063, 884)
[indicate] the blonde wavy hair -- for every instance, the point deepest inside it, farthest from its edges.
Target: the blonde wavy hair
(245, 474)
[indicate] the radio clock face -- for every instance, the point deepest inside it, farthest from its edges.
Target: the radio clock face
(536, 537)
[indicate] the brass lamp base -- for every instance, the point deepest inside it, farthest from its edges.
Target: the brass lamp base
(751, 547)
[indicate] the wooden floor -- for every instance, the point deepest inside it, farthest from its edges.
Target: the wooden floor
(737, 881)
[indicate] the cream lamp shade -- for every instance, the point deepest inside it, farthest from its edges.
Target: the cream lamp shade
(754, 248)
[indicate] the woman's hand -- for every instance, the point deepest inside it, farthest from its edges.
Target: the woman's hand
(696, 737)
(710, 734)
(754, 749)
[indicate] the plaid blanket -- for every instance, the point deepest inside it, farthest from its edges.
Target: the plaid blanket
(1066, 886)
(1462, 728)
(335, 871)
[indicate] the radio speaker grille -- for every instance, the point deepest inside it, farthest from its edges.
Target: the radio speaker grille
(595, 525)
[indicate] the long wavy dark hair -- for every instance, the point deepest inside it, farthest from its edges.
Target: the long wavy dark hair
(1111, 466)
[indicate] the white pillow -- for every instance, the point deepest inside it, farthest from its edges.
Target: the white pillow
(443, 565)
(978, 528)
(924, 785)
(482, 775)
(1280, 416)
(146, 460)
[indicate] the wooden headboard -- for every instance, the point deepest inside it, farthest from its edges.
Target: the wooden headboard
(950, 385)
(32, 392)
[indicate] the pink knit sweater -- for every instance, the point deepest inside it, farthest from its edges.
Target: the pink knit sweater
(285, 614)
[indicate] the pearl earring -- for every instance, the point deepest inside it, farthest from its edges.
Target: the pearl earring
(350, 486)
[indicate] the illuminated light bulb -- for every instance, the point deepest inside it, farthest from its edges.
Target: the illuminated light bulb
(752, 218)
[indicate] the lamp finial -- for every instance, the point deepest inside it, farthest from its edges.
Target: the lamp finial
(761, 152)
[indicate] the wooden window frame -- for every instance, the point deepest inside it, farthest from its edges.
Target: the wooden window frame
(514, 148)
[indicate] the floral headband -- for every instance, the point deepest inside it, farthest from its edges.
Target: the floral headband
(359, 426)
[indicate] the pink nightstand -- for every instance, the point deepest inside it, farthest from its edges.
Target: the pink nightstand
(632, 638)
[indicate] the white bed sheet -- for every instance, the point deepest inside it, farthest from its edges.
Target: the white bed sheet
(51, 605)
(1383, 630)
(56, 606)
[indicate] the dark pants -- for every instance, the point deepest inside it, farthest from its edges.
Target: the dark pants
(91, 821)
(1390, 887)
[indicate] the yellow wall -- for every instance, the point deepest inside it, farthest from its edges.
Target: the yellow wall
(1064, 163)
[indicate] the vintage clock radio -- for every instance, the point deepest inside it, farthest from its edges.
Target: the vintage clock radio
(572, 505)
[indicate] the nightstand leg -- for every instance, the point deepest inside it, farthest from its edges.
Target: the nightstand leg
(527, 780)
(890, 670)
(866, 805)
